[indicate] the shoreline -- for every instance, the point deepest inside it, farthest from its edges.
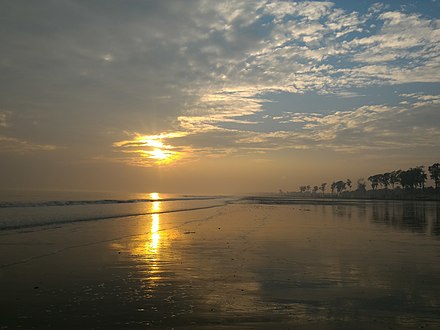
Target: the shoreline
(263, 199)
(296, 196)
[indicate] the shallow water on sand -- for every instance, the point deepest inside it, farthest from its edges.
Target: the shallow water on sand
(344, 265)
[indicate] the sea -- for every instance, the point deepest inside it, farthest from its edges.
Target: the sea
(33, 208)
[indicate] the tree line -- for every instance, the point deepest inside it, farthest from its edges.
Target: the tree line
(409, 180)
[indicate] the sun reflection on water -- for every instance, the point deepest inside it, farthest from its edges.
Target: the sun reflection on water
(155, 221)
(156, 207)
(154, 233)
(154, 196)
(153, 243)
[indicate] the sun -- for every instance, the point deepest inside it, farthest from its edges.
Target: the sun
(162, 156)
(152, 149)
(159, 154)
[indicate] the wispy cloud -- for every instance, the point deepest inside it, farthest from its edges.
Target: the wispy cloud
(420, 100)
(375, 128)
(14, 145)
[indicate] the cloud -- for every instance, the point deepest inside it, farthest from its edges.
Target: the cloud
(373, 128)
(406, 48)
(306, 9)
(193, 75)
(3, 116)
(378, 127)
(14, 145)
(420, 100)
(183, 48)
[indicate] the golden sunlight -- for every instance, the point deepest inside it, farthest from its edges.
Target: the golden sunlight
(155, 236)
(154, 143)
(154, 195)
(152, 150)
(156, 206)
(159, 154)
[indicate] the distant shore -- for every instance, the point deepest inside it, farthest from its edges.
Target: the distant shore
(294, 198)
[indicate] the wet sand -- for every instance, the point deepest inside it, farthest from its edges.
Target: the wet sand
(238, 266)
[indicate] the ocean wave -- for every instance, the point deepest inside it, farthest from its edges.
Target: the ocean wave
(59, 220)
(8, 204)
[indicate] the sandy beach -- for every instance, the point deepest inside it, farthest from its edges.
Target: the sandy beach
(236, 266)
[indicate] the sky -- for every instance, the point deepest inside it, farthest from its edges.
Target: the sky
(215, 96)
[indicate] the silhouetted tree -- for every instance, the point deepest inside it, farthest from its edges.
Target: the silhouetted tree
(374, 180)
(407, 180)
(333, 187)
(349, 184)
(434, 170)
(394, 178)
(421, 176)
(384, 180)
(322, 187)
(340, 186)
(413, 178)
